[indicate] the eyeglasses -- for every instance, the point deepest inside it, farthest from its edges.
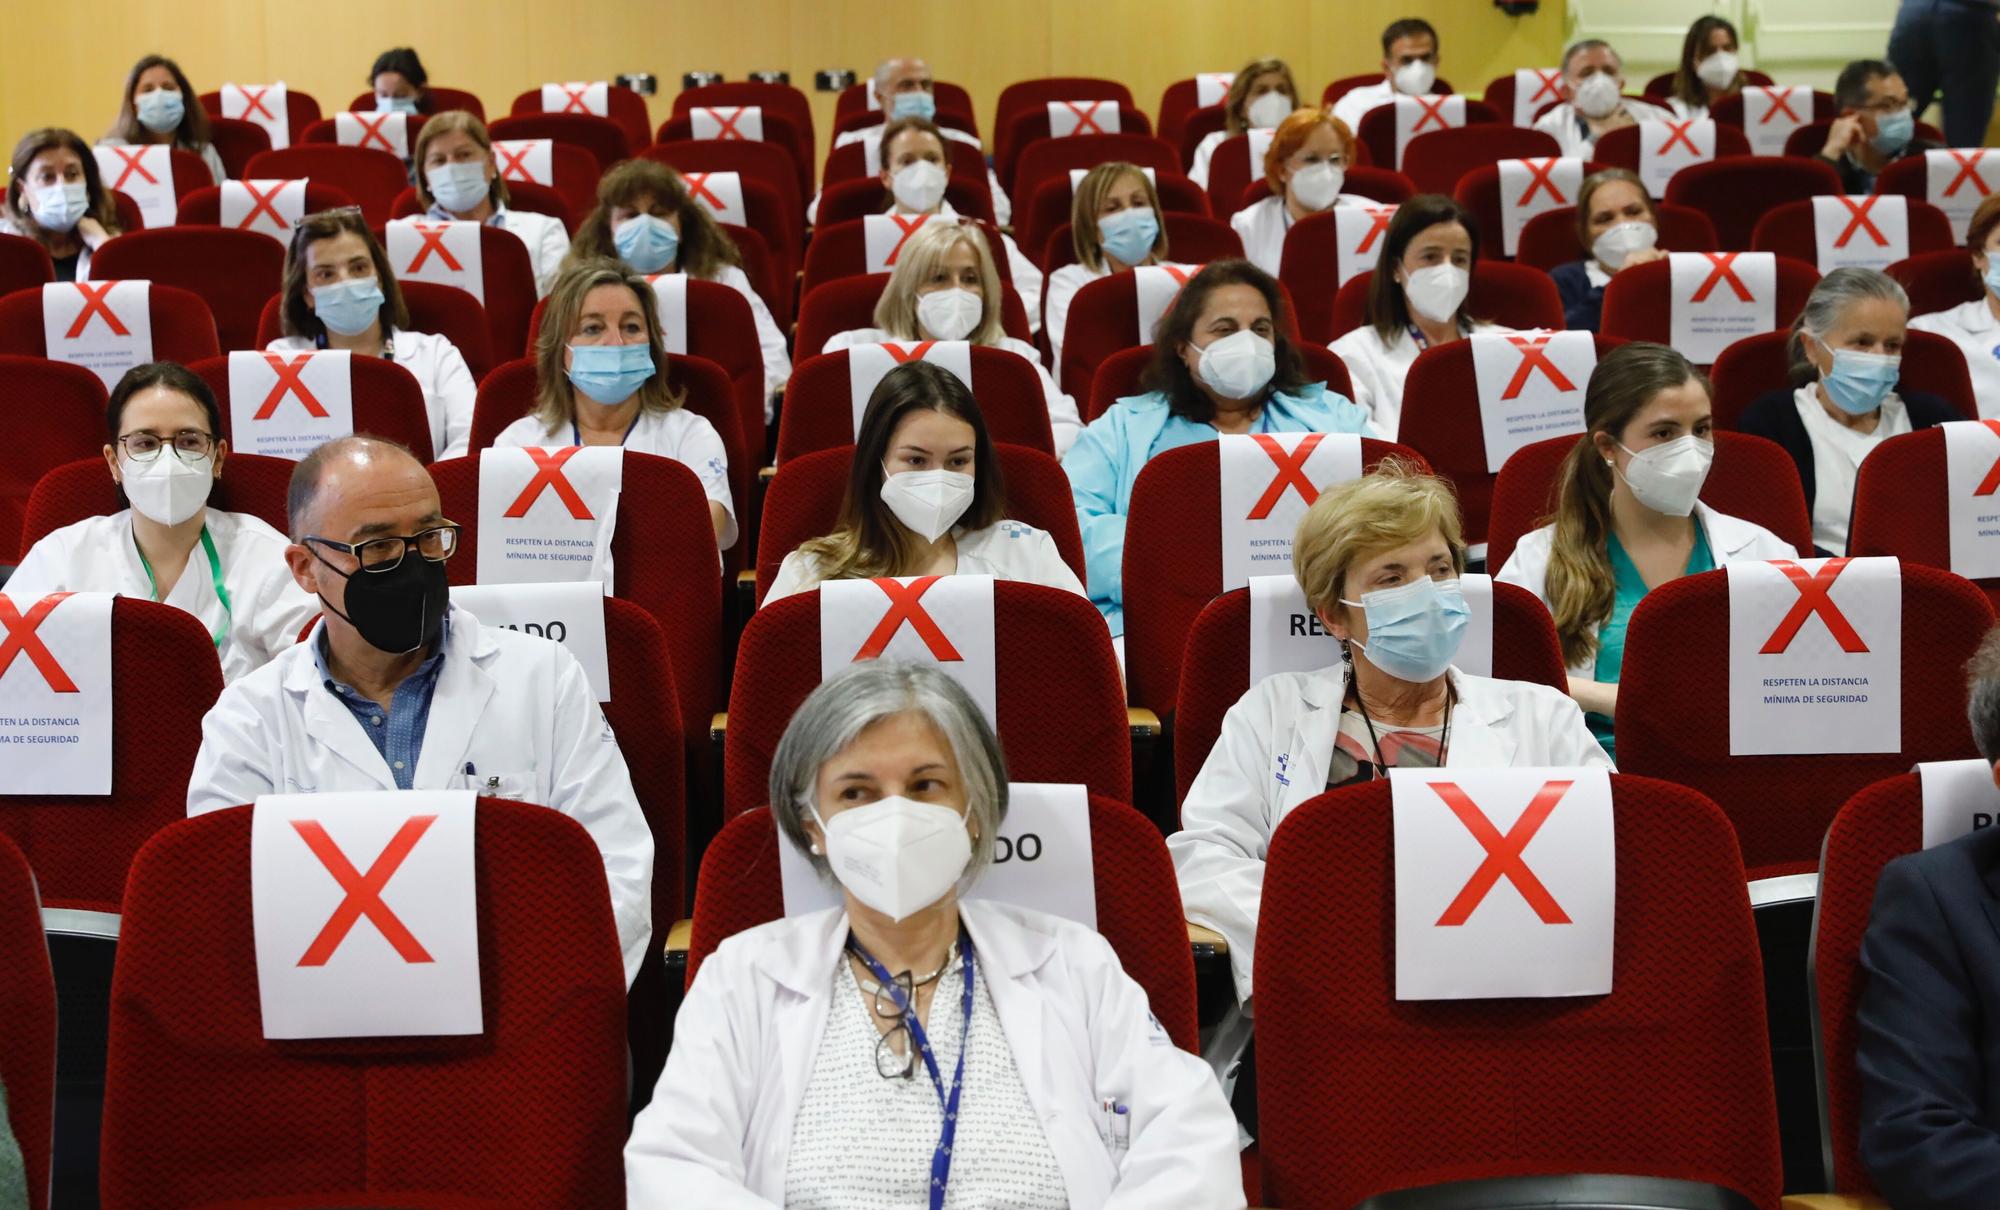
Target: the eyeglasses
(189, 444)
(893, 1060)
(1886, 107)
(336, 211)
(435, 545)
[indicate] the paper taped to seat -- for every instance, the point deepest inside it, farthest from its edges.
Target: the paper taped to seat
(264, 104)
(577, 96)
(1772, 112)
(1871, 232)
(442, 253)
(548, 514)
(722, 193)
(868, 365)
(1666, 147)
(105, 327)
(1358, 234)
(388, 131)
(1417, 116)
(569, 612)
(1959, 798)
(1956, 180)
(745, 122)
(287, 405)
(1717, 298)
(1972, 492)
(1531, 387)
(530, 160)
(1532, 187)
(1815, 656)
(946, 621)
(144, 174)
(1269, 480)
(56, 693)
(267, 207)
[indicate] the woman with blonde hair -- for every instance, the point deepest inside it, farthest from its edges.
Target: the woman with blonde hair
(159, 106)
(1114, 226)
(1629, 516)
(601, 379)
(945, 287)
(647, 218)
(916, 168)
(457, 179)
(338, 292)
(1262, 95)
(56, 198)
(1305, 166)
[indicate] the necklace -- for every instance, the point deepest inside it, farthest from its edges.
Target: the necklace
(950, 960)
(1444, 737)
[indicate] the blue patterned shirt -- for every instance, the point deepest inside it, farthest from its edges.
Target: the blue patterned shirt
(397, 733)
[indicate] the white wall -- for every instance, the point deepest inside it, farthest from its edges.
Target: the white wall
(1794, 41)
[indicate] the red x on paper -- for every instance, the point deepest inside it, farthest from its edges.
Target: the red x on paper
(903, 353)
(1378, 222)
(908, 228)
(549, 474)
(1086, 116)
(1539, 179)
(726, 119)
(289, 381)
(575, 102)
(364, 891)
(1860, 220)
(1781, 102)
(433, 237)
(1503, 853)
(1433, 111)
(697, 183)
(1813, 599)
(514, 162)
(261, 203)
(94, 303)
(906, 605)
(1721, 274)
(1991, 482)
(1547, 88)
(1534, 358)
(1968, 169)
(130, 158)
(371, 132)
(1291, 472)
(253, 101)
(1677, 132)
(21, 639)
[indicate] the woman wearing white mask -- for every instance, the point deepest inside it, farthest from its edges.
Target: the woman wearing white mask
(1709, 69)
(1628, 518)
(1222, 363)
(1114, 226)
(878, 1053)
(340, 293)
(925, 497)
(916, 165)
(457, 180)
(1379, 559)
(55, 197)
(1975, 326)
(1618, 227)
(1593, 79)
(1305, 166)
(1415, 302)
(1847, 353)
(159, 106)
(646, 218)
(1261, 96)
(601, 378)
(944, 287)
(227, 569)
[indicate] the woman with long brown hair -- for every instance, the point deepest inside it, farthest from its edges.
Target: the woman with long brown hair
(159, 106)
(56, 198)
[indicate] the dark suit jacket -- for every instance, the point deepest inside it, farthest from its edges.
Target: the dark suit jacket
(1928, 1037)
(1856, 179)
(1583, 303)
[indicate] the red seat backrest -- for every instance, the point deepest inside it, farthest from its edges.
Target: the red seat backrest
(1310, 265)
(819, 414)
(775, 218)
(1437, 160)
(1901, 506)
(1737, 192)
(1504, 292)
(68, 405)
(845, 201)
(1377, 131)
(369, 175)
(1053, 159)
(644, 705)
(301, 110)
(1759, 364)
(1121, 373)
(603, 139)
(75, 491)
(765, 163)
(1202, 122)
(436, 100)
(327, 131)
(232, 271)
(444, 310)
(23, 263)
(1637, 303)
(1620, 148)
(236, 141)
(28, 1001)
(846, 303)
(841, 249)
(1729, 110)
(1789, 229)
(508, 276)
(1031, 126)
(388, 402)
(776, 100)
(183, 330)
(1549, 238)
(624, 109)
(1938, 281)
(1053, 204)
(1811, 138)
(779, 131)
(1036, 94)
(1478, 190)
(203, 207)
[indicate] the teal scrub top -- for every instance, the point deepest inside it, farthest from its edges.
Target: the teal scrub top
(1611, 637)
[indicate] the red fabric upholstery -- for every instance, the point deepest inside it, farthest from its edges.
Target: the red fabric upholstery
(521, 195)
(779, 131)
(68, 405)
(369, 175)
(781, 101)
(1737, 192)
(1346, 84)
(604, 140)
(1938, 281)
(28, 1002)
(1549, 239)
(387, 400)
(1104, 318)
(624, 109)
(1378, 133)
(509, 280)
(1506, 292)
(1760, 364)
(1031, 126)
(1120, 375)
(760, 265)
(845, 201)
(1729, 110)
(301, 110)
(1053, 159)
(1499, 94)
(183, 330)
(805, 496)
(1052, 204)
(1438, 159)
(250, 483)
(766, 163)
(1061, 705)
(327, 130)
(1193, 239)
(1910, 177)
(232, 271)
(841, 250)
(190, 172)
(854, 99)
(446, 311)
(23, 263)
(1138, 902)
(165, 677)
(236, 141)
(1179, 99)
(1637, 303)
(1620, 148)
(574, 171)
(203, 207)
(1478, 190)
(849, 161)
(846, 303)
(1025, 95)
(819, 414)
(1673, 711)
(1525, 648)
(1811, 138)
(1205, 121)
(644, 706)
(1788, 230)
(193, 1088)
(1309, 263)
(946, 118)
(436, 100)
(1173, 557)
(1900, 504)
(1753, 478)
(1669, 1075)
(1660, 87)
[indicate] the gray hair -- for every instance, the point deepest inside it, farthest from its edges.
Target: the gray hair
(303, 490)
(884, 68)
(855, 699)
(1828, 305)
(1577, 48)
(1982, 704)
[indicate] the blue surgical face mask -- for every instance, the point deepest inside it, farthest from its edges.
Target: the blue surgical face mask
(610, 374)
(1893, 131)
(1858, 382)
(1993, 274)
(160, 110)
(646, 242)
(348, 307)
(914, 105)
(1129, 234)
(395, 104)
(1414, 629)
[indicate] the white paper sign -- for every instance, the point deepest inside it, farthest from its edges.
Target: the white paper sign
(55, 693)
(1041, 859)
(289, 404)
(670, 291)
(1155, 288)
(1772, 112)
(1871, 232)
(867, 365)
(385, 131)
(570, 613)
(366, 914)
(1212, 87)
(1358, 233)
(146, 175)
(548, 514)
(531, 160)
(268, 207)
(1666, 147)
(1956, 180)
(1257, 141)
(1421, 115)
(883, 237)
(443, 253)
(941, 620)
(1815, 656)
(1959, 799)
(1506, 882)
(1972, 492)
(1287, 636)
(1475, 651)
(105, 327)
(722, 193)
(263, 104)
(1718, 298)
(1532, 187)
(1531, 387)
(1076, 176)
(1535, 87)
(727, 122)
(1082, 117)
(577, 97)
(1268, 482)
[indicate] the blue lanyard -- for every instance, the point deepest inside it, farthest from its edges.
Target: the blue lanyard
(941, 1158)
(576, 434)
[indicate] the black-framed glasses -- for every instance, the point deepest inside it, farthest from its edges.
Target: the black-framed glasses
(434, 545)
(891, 1060)
(1886, 107)
(303, 219)
(189, 444)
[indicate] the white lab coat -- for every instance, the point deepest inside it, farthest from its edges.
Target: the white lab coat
(267, 607)
(686, 437)
(1061, 288)
(770, 341)
(719, 1130)
(1355, 103)
(1567, 128)
(1378, 369)
(1730, 540)
(546, 238)
(1003, 209)
(512, 716)
(1064, 421)
(440, 370)
(1973, 329)
(1263, 227)
(1005, 550)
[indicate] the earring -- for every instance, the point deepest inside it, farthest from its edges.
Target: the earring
(815, 849)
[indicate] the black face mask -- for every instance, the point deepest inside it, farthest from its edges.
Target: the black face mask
(397, 611)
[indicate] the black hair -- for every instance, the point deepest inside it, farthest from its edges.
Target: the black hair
(1409, 27)
(1388, 310)
(167, 375)
(1168, 374)
(404, 62)
(1850, 89)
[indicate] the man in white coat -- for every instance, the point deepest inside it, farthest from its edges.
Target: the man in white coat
(394, 690)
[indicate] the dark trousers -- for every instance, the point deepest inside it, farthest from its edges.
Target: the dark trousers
(1953, 47)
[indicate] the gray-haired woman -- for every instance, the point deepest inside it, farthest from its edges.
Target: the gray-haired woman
(911, 1047)
(1847, 351)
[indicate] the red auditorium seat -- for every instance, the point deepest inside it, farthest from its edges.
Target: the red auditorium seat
(1179, 100)
(819, 414)
(1024, 95)
(1910, 177)
(1759, 364)
(845, 201)
(1121, 374)
(776, 100)
(508, 276)
(1900, 505)
(1054, 159)
(446, 311)
(75, 491)
(301, 110)
(766, 211)
(1061, 705)
(1549, 239)
(387, 400)
(23, 263)
(1620, 148)
(1500, 93)
(854, 99)
(236, 141)
(327, 131)
(28, 1003)
(1201, 123)
(1789, 230)
(805, 495)
(203, 207)
(441, 100)
(1309, 263)
(521, 195)
(624, 109)
(604, 140)
(841, 250)
(1668, 1076)
(1104, 318)
(1377, 132)
(190, 172)
(1511, 294)
(233, 271)
(1036, 216)
(847, 303)
(1673, 711)
(1346, 84)
(1478, 190)
(1031, 126)
(1637, 307)
(780, 130)
(573, 174)
(183, 330)
(201, 1108)
(369, 175)
(1193, 239)
(849, 161)
(68, 405)
(1437, 160)
(766, 163)
(1660, 87)
(1735, 192)
(1938, 281)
